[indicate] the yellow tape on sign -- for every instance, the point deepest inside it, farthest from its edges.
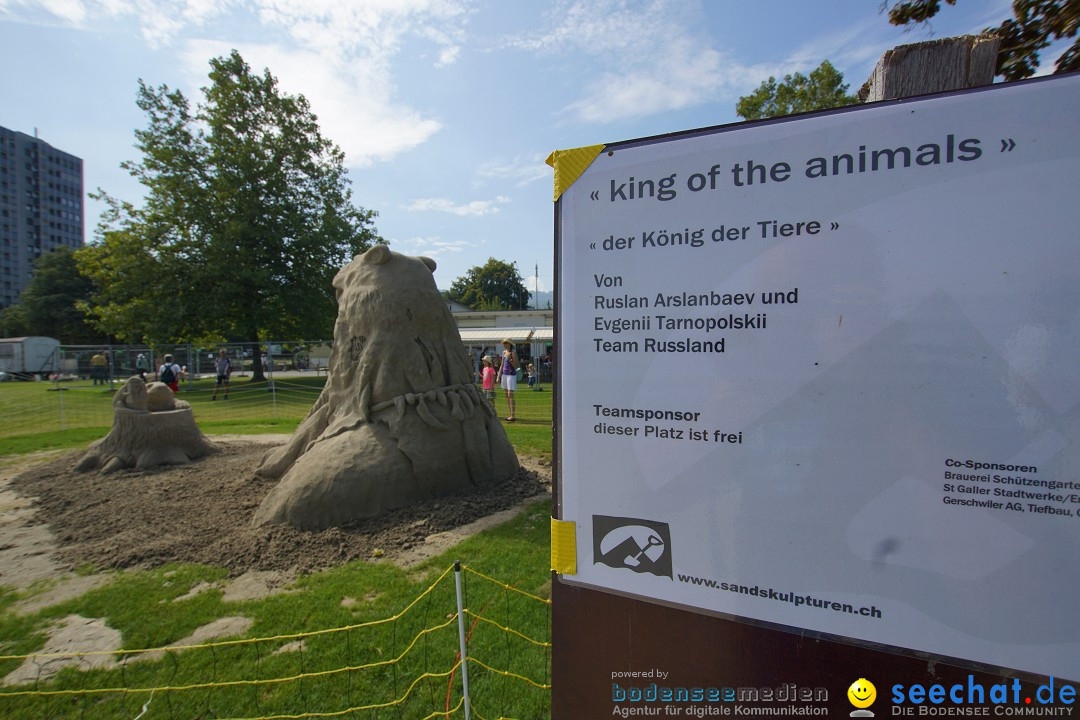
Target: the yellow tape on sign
(569, 164)
(564, 546)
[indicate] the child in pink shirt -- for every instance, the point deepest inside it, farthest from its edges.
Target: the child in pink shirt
(487, 377)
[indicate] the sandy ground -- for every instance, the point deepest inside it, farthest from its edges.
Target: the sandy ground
(54, 520)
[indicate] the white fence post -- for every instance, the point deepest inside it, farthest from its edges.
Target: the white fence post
(461, 637)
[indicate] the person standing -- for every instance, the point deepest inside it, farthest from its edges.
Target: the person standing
(508, 375)
(224, 369)
(97, 368)
(487, 377)
(169, 373)
(142, 366)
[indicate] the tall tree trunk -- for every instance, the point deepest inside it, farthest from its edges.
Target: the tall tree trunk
(257, 374)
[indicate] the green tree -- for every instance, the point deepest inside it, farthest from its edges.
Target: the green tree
(496, 285)
(1034, 26)
(13, 321)
(129, 300)
(824, 88)
(248, 216)
(50, 303)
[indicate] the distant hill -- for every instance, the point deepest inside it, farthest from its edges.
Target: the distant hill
(542, 300)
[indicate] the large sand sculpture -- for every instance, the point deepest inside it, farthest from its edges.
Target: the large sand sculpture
(150, 427)
(400, 419)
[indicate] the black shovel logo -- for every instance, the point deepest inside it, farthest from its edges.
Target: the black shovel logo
(643, 546)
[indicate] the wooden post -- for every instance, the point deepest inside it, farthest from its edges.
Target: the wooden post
(934, 66)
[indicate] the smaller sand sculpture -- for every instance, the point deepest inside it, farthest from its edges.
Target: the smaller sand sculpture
(150, 427)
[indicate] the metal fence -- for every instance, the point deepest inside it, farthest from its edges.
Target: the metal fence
(119, 362)
(76, 362)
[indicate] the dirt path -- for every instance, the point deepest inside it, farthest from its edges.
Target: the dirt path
(27, 545)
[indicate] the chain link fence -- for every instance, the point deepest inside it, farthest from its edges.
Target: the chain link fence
(107, 364)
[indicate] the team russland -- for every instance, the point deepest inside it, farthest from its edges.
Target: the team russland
(669, 323)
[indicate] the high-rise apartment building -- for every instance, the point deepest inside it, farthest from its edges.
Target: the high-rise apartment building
(41, 207)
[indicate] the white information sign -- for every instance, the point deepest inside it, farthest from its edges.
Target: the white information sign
(825, 373)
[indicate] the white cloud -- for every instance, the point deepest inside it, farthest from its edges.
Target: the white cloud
(67, 12)
(342, 61)
(338, 53)
(519, 170)
(449, 40)
(476, 208)
(600, 27)
(432, 247)
(656, 57)
(448, 56)
(199, 11)
(72, 11)
(159, 21)
(852, 44)
(354, 104)
(369, 29)
(677, 81)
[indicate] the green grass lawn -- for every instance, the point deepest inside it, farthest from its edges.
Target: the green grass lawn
(395, 647)
(45, 416)
(360, 666)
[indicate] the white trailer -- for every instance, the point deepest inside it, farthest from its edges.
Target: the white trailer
(25, 356)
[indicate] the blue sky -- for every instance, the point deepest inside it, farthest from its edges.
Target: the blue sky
(445, 109)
